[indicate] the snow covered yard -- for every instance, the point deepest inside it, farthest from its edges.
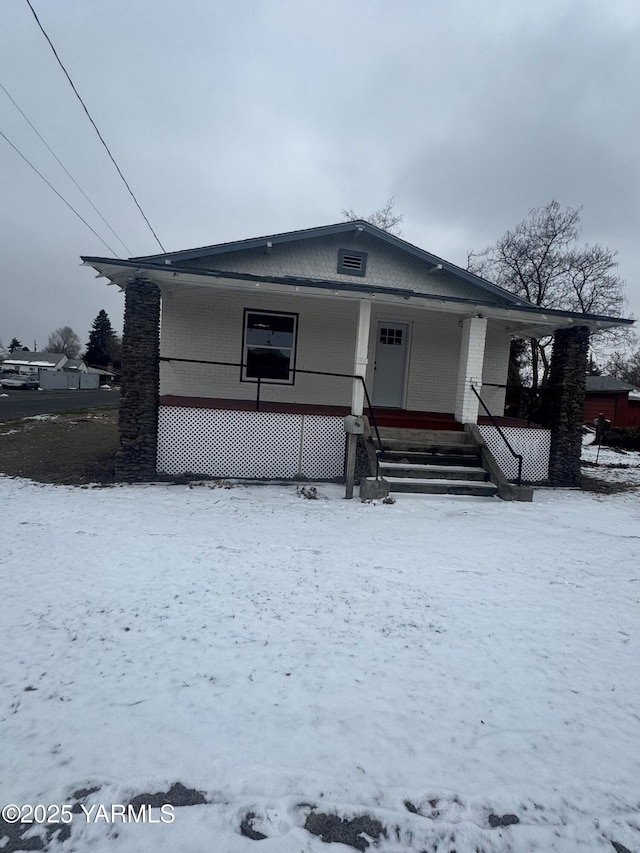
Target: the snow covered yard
(442, 665)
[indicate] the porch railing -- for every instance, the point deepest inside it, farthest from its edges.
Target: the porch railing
(517, 456)
(523, 403)
(258, 382)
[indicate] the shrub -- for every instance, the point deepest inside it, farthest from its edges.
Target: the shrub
(308, 492)
(625, 438)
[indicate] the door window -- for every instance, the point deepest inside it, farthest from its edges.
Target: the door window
(391, 337)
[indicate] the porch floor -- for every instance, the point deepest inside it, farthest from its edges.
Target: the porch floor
(385, 417)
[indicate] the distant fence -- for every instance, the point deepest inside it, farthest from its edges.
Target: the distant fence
(65, 380)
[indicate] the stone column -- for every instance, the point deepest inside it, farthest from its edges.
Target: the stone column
(138, 421)
(565, 404)
(474, 333)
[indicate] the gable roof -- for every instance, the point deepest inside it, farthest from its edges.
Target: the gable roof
(176, 269)
(355, 227)
(35, 359)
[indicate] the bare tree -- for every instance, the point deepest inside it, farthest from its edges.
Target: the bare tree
(540, 260)
(64, 340)
(383, 218)
(624, 367)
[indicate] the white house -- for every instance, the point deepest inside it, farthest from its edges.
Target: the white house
(33, 362)
(260, 341)
(76, 365)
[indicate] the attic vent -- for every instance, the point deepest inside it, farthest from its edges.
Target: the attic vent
(352, 263)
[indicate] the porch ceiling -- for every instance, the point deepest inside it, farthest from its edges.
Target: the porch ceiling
(519, 319)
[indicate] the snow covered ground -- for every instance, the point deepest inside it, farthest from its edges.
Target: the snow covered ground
(614, 466)
(436, 664)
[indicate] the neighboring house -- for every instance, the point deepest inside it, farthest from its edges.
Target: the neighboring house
(55, 371)
(103, 377)
(33, 362)
(76, 375)
(260, 341)
(77, 365)
(618, 401)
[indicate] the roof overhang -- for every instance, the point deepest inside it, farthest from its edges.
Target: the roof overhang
(354, 230)
(521, 319)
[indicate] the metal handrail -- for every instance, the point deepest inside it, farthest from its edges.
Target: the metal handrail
(534, 397)
(517, 456)
(294, 370)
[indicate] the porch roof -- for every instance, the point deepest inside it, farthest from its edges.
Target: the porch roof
(520, 317)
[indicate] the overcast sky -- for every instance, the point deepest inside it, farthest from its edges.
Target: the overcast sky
(239, 118)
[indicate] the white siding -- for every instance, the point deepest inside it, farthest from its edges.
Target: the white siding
(199, 324)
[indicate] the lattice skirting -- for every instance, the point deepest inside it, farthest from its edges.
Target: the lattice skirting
(533, 444)
(250, 445)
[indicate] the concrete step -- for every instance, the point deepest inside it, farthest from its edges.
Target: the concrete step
(433, 462)
(436, 472)
(463, 456)
(424, 436)
(418, 485)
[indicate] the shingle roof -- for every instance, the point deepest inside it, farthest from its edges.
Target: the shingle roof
(607, 383)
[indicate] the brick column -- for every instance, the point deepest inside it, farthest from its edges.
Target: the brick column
(138, 421)
(361, 360)
(474, 333)
(566, 403)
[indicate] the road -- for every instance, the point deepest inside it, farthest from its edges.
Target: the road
(24, 404)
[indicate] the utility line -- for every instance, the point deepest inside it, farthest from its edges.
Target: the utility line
(26, 160)
(95, 126)
(52, 152)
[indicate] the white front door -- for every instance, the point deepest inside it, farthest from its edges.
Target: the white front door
(391, 358)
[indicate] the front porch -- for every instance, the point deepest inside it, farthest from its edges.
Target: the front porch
(251, 439)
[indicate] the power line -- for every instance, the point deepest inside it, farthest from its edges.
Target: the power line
(26, 160)
(52, 152)
(95, 126)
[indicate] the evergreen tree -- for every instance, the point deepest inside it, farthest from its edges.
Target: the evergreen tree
(15, 345)
(103, 342)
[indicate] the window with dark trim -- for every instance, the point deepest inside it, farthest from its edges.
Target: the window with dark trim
(269, 346)
(352, 263)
